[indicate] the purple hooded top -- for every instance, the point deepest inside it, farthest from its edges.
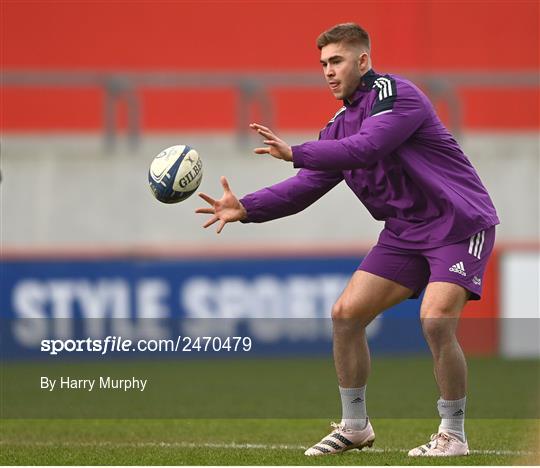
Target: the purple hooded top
(395, 154)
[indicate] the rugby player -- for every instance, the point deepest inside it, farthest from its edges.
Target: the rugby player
(394, 153)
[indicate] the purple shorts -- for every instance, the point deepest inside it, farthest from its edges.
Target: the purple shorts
(462, 263)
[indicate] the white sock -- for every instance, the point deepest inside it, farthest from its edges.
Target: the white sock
(452, 413)
(353, 404)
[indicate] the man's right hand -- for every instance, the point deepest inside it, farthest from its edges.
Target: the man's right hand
(226, 210)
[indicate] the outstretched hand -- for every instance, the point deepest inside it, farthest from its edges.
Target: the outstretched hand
(276, 146)
(226, 210)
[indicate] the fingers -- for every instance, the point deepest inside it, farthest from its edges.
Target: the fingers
(211, 221)
(215, 218)
(205, 210)
(256, 126)
(266, 134)
(262, 130)
(221, 226)
(225, 184)
(261, 150)
(207, 198)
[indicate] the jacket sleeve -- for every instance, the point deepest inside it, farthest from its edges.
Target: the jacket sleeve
(289, 196)
(379, 135)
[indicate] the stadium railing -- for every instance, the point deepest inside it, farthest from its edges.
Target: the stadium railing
(252, 87)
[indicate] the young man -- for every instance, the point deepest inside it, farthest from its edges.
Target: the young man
(394, 153)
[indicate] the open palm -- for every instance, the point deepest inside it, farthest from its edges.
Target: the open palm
(225, 210)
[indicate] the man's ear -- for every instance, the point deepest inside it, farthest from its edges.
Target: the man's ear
(363, 61)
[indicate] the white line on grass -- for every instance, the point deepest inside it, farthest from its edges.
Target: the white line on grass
(232, 445)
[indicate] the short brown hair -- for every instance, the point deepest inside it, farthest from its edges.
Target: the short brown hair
(349, 33)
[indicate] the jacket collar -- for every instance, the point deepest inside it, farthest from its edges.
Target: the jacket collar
(366, 83)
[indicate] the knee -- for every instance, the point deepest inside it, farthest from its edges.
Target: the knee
(438, 324)
(341, 311)
(435, 330)
(344, 312)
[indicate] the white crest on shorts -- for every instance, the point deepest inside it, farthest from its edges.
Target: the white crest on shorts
(458, 268)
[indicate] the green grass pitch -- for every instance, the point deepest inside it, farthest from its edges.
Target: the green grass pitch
(247, 442)
(503, 427)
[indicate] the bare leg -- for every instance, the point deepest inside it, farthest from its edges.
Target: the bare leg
(365, 297)
(440, 311)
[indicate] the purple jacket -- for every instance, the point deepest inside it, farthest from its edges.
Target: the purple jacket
(395, 154)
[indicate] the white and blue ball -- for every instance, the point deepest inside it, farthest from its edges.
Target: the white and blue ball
(175, 174)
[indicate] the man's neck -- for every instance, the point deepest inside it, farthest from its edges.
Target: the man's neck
(362, 82)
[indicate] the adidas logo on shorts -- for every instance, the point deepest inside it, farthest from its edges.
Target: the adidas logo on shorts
(458, 268)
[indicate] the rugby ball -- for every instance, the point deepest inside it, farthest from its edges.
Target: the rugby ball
(175, 173)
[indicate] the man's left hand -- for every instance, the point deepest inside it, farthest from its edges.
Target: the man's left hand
(276, 146)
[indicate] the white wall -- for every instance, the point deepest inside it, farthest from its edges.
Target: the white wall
(60, 191)
(520, 305)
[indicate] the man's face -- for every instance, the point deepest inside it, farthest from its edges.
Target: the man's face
(343, 67)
